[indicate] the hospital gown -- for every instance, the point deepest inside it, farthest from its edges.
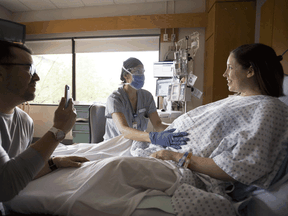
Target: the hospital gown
(245, 136)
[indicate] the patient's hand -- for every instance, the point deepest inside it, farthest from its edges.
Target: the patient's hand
(167, 155)
(69, 161)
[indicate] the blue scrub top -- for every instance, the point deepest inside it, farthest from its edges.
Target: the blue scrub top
(118, 101)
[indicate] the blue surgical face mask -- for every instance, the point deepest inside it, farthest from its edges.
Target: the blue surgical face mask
(138, 78)
(137, 81)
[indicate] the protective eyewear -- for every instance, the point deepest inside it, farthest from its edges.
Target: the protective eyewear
(32, 69)
(135, 71)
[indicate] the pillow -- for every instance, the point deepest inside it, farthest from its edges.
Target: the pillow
(272, 201)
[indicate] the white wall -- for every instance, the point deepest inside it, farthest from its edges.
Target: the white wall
(43, 115)
(5, 14)
(181, 6)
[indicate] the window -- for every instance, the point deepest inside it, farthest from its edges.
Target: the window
(98, 74)
(55, 71)
(98, 63)
(53, 61)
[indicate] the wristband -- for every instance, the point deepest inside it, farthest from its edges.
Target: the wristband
(187, 161)
(182, 160)
(51, 164)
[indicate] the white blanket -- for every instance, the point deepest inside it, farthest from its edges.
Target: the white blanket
(245, 136)
(113, 182)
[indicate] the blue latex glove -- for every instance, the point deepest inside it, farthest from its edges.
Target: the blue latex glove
(168, 138)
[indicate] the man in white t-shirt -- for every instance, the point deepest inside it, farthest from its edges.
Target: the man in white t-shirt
(21, 161)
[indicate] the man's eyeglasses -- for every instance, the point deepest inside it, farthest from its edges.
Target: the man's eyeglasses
(32, 69)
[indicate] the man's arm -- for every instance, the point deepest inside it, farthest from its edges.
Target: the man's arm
(64, 119)
(20, 170)
(62, 162)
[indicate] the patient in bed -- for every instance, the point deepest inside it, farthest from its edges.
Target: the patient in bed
(239, 141)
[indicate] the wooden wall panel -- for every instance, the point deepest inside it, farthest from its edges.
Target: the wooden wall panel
(266, 23)
(235, 25)
(280, 31)
(188, 20)
(209, 4)
(274, 29)
(208, 71)
(210, 24)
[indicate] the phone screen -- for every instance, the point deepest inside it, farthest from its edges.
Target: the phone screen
(67, 95)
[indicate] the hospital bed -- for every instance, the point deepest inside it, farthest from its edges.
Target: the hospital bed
(42, 195)
(39, 196)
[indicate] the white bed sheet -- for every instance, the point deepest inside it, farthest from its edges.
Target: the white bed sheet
(108, 184)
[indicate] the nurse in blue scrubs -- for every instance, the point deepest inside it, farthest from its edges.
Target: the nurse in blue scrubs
(129, 108)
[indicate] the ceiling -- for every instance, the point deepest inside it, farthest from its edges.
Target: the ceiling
(36, 5)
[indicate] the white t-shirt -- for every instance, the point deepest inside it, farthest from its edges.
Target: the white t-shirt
(18, 165)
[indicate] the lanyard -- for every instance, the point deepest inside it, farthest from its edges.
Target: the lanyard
(134, 114)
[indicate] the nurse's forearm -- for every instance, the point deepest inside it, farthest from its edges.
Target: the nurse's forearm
(131, 133)
(161, 127)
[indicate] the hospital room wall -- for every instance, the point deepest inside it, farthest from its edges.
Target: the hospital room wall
(43, 115)
(232, 23)
(273, 27)
(5, 14)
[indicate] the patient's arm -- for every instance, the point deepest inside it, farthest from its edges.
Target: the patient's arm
(157, 123)
(198, 164)
(129, 133)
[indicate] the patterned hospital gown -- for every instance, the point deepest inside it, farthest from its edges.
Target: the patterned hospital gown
(246, 137)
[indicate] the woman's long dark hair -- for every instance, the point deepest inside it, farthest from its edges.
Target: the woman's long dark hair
(266, 65)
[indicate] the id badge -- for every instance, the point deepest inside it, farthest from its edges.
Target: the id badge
(135, 125)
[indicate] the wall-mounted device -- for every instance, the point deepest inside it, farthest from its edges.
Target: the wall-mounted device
(162, 87)
(12, 31)
(181, 82)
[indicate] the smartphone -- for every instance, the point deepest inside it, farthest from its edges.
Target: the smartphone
(67, 95)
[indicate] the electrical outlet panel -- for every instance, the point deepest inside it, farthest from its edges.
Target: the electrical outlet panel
(165, 37)
(173, 37)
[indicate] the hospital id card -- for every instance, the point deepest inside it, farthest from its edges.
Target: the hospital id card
(134, 125)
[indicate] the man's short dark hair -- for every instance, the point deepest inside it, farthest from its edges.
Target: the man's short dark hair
(5, 50)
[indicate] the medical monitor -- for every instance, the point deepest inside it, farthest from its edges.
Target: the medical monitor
(12, 31)
(162, 87)
(163, 69)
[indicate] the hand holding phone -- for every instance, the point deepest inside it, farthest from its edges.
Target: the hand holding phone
(64, 119)
(67, 95)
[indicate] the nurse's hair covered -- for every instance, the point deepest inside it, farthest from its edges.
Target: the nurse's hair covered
(129, 63)
(266, 65)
